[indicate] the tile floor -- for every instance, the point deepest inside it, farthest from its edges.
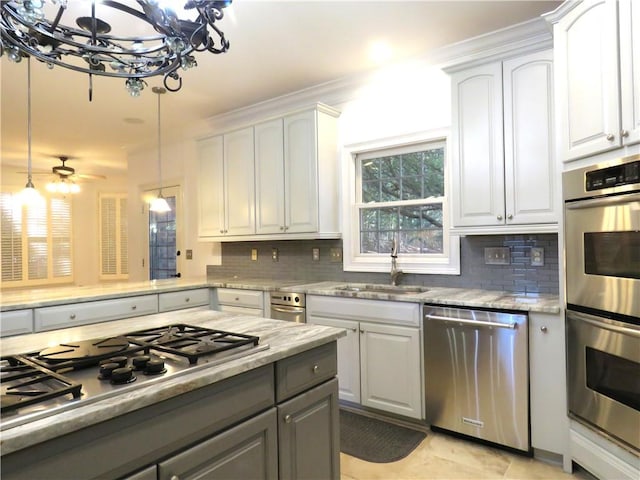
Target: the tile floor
(443, 457)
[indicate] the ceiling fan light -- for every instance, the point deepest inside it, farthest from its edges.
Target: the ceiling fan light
(74, 188)
(52, 187)
(29, 196)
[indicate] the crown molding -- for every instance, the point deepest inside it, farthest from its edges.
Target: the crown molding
(522, 38)
(564, 8)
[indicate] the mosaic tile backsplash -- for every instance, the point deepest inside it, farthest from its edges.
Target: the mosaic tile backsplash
(295, 262)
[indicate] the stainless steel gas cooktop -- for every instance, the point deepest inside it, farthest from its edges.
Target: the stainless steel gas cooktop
(56, 379)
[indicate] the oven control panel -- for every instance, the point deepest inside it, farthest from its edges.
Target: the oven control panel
(618, 175)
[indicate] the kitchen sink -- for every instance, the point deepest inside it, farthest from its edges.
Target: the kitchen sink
(388, 289)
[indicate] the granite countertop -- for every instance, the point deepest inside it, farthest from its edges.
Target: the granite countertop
(464, 297)
(284, 339)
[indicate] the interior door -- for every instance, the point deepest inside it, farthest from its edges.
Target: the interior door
(163, 244)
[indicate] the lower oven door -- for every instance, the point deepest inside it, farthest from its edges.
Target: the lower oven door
(604, 375)
(290, 314)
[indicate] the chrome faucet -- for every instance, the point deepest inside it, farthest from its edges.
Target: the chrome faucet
(395, 273)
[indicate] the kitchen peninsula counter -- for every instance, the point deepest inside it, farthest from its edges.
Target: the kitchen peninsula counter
(284, 339)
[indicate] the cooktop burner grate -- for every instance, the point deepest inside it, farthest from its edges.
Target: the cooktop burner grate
(26, 383)
(189, 341)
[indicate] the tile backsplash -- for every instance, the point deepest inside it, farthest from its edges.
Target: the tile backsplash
(295, 262)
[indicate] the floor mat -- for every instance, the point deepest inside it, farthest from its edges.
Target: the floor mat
(376, 441)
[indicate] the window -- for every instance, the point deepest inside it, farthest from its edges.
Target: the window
(36, 242)
(114, 253)
(399, 192)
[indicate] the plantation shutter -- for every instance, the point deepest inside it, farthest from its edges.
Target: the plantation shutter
(114, 254)
(11, 237)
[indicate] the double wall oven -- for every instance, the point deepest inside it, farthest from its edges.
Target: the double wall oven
(602, 245)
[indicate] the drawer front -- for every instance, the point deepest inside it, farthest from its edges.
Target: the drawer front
(16, 322)
(52, 318)
(358, 309)
(242, 310)
(241, 298)
(184, 299)
(305, 370)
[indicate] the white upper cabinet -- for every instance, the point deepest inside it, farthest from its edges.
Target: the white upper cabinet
(503, 163)
(280, 179)
(211, 216)
(597, 82)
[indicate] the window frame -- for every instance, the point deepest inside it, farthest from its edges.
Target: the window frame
(447, 262)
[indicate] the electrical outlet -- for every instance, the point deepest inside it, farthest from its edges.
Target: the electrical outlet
(336, 254)
(189, 254)
(315, 254)
(274, 254)
(537, 256)
(254, 254)
(497, 256)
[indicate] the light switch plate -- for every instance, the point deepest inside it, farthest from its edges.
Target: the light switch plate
(315, 254)
(189, 254)
(497, 256)
(254, 254)
(274, 254)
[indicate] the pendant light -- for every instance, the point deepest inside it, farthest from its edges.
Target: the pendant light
(159, 204)
(29, 195)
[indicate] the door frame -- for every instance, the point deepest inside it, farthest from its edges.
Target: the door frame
(147, 193)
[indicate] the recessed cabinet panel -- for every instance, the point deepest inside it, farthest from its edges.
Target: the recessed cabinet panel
(530, 166)
(16, 322)
(210, 187)
(478, 146)
(629, 14)
(239, 182)
(270, 175)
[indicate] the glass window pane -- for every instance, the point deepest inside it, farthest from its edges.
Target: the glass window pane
(410, 218)
(371, 191)
(369, 242)
(368, 219)
(434, 173)
(432, 216)
(388, 219)
(390, 190)
(370, 170)
(390, 167)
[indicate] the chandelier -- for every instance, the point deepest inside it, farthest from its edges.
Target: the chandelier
(40, 28)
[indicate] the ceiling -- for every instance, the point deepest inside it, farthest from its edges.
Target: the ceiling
(277, 47)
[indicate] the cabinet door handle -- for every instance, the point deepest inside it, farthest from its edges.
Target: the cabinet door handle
(543, 329)
(282, 227)
(624, 133)
(133, 307)
(510, 217)
(187, 299)
(354, 329)
(361, 331)
(499, 217)
(287, 419)
(611, 137)
(72, 316)
(174, 477)
(315, 368)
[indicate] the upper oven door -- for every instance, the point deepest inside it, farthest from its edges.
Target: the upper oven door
(602, 239)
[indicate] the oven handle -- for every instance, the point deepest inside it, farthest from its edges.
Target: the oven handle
(606, 326)
(285, 309)
(476, 323)
(598, 202)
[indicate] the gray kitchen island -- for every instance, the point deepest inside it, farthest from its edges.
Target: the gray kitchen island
(271, 412)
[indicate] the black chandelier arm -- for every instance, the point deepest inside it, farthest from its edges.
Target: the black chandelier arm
(174, 76)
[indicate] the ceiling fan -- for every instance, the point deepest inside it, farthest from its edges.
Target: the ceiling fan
(66, 177)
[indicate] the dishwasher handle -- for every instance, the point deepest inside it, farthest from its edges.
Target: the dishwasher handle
(475, 323)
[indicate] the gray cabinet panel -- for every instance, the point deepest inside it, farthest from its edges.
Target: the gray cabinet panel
(309, 434)
(149, 473)
(301, 372)
(247, 451)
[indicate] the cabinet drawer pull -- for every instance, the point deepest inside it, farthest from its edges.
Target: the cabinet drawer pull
(499, 217)
(287, 419)
(72, 316)
(543, 329)
(611, 137)
(237, 299)
(187, 299)
(510, 217)
(624, 133)
(174, 477)
(133, 307)
(315, 369)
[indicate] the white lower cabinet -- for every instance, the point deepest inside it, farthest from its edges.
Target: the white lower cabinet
(16, 322)
(379, 362)
(63, 316)
(183, 299)
(548, 384)
(237, 300)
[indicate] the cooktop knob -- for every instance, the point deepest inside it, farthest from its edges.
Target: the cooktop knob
(139, 363)
(120, 360)
(122, 375)
(106, 369)
(155, 367)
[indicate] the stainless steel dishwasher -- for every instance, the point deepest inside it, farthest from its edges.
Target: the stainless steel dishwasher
(288, 306)
(476, 374)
